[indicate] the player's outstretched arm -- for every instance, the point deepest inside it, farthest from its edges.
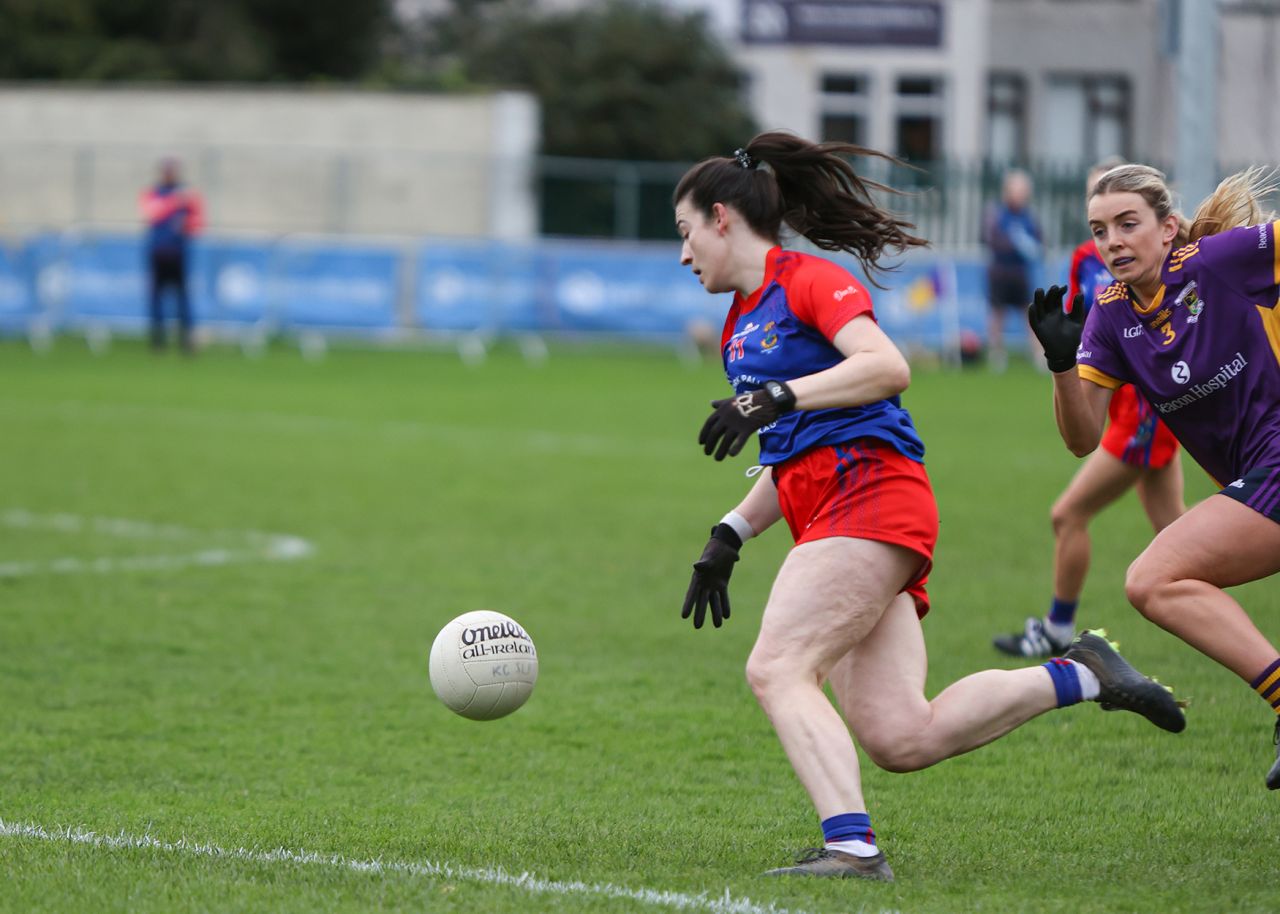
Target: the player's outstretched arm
(709, 587)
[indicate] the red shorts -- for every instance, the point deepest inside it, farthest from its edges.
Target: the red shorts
(863, 489)
(1135, 435)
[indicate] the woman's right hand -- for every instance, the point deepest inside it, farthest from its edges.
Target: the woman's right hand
(1058, 331)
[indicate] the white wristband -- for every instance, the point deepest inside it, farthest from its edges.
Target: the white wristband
(739, 525)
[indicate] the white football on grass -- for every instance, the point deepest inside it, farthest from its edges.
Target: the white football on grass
(483, 665)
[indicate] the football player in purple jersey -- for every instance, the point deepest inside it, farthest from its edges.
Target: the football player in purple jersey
(1192, 321)
(1138, 452)
(817, 382)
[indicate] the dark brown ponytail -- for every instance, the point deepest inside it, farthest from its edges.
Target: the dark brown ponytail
(780, 178)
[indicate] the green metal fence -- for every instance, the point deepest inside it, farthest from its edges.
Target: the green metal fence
(945, 200)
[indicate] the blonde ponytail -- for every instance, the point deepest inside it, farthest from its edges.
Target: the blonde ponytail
(1235, 202)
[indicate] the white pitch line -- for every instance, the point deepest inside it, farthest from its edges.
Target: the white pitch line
(682, 901)
(254, 546)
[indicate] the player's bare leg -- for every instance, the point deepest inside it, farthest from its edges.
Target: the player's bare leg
(1177, 581)
(1101, 479)
(828, 596)
(1160, 491)
(1099, 482)
(880, 688)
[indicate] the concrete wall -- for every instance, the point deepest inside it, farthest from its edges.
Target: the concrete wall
(275, 160)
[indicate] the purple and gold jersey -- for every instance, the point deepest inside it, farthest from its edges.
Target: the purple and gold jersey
(783, 331)
(1205, 352)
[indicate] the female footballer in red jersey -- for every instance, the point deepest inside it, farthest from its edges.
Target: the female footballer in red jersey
(1137, 451)
(818, 381)
(1192, 321)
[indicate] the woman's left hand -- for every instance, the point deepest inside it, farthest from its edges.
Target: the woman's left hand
(733, 421)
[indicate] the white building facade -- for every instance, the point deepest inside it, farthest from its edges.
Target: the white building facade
(1063, 81)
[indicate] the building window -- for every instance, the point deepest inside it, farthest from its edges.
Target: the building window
(918, 110)
(1087, 118)
(1006, 117)
(845, 106)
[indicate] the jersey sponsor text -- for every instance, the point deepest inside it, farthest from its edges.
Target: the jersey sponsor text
(1226, 374)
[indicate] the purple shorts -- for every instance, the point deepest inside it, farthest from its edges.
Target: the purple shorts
(1259, 490)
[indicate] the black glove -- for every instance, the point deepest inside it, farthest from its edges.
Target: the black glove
(710, 584)
(734, 421)
(1058, 331)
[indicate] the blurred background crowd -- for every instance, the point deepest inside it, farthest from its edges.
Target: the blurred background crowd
(393, 168)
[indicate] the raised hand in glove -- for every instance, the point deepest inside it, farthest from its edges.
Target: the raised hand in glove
(710, 584)
(733, 422)
(1058, 331)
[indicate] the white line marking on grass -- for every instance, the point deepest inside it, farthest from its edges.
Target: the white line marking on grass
(251, 545)
(720, 904)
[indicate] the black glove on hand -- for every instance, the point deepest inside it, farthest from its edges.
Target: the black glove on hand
(733, 422)
(710, 584)
(1058, 331)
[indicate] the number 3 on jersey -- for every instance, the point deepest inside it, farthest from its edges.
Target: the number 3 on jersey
(1168, 334)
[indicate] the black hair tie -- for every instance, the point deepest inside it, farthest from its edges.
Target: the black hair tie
(743, 158)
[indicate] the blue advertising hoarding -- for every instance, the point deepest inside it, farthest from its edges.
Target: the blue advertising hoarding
(18, 303)
(636, 289)
(332, 284)
(480, 286)
(449, 285)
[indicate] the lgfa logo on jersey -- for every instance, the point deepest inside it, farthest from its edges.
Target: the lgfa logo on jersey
(770, 338)
(1181, 372)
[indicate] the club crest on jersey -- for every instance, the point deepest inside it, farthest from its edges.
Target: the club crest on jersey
(1193, 302)
(770, 338)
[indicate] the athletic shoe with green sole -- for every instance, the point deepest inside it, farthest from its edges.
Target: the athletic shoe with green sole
(1122, 687)
(819, 861)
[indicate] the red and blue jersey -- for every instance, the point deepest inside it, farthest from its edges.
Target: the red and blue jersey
(1088, 276)
(783, 331)
(1205, 351)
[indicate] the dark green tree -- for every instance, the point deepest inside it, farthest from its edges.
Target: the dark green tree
(624, 79)
(191, 40)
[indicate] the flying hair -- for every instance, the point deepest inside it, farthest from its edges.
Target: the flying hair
(781, 179)
(1237, 201)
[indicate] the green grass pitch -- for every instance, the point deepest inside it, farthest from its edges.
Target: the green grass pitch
(184, 715)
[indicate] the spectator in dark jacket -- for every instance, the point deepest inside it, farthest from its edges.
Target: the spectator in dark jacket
(173, 214)
(1013, 241)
